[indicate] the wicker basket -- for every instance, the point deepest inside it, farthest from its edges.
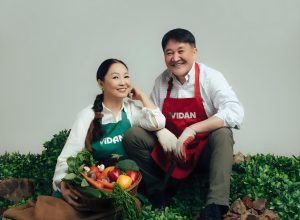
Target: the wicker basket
(132, 190)
(98, 205)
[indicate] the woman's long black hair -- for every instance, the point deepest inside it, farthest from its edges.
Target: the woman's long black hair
(101, 73)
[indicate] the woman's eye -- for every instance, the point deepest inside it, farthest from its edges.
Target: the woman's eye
(115, 77)
(126, 76)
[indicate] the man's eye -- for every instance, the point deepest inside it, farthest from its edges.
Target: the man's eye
(126, 76)
(181, 51)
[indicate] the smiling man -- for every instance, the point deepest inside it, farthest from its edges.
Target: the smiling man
(200, 109)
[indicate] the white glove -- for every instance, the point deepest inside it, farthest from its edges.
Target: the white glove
(167, 140)
(187, 136)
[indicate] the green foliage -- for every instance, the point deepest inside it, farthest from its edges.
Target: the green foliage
(18, 165)
(275, 178)
(170, 213)
(49, 156)
(38, 167)
(127, 164)
(5, 203)
(123, 199)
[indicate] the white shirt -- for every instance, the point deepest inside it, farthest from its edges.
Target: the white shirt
(137, 116)
(218, 97)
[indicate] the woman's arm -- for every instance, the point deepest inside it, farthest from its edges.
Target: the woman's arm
(137, 94)
(74, 144)
(149, 117)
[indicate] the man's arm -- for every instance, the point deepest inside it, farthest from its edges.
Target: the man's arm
(228, 107)
(207, 125)
(229, 111)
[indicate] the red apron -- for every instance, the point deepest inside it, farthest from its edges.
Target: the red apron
(181, 113)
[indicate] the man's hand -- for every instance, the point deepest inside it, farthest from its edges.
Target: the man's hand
(187, 136)
(167, 140)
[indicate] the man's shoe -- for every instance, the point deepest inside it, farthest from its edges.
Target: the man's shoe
(212, 212)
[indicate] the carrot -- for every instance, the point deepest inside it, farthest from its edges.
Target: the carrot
(107, 170)
(107, 185)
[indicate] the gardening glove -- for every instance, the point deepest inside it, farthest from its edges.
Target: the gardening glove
(167, 140)
(187, 136)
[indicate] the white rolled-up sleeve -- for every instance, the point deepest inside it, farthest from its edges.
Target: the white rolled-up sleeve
(143, 117)
(224, 99)
(74, 144)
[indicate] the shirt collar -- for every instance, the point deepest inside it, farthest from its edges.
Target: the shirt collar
(107, 110)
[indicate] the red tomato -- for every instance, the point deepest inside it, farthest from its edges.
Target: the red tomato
(132, 174)
(94, 168)
(114, 174)
(99, 176)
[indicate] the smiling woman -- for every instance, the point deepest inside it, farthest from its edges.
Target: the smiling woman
(100, 129)
(117, 83)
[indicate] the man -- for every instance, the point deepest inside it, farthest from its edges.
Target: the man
(200, 109)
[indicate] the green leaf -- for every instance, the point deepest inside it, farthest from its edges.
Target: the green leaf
(70, 176)
(84, 183)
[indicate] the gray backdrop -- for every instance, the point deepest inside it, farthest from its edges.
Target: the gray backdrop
(50, 52)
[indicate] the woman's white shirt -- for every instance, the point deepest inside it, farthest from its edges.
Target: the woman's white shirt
(138, 116)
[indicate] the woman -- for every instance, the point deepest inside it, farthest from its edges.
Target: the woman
(100, 127)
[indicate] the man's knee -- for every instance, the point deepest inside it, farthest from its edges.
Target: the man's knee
(136, 137)
(222, 137)
(131, 134)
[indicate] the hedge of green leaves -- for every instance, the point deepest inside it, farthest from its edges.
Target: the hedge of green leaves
(38, 167)
(275, 178)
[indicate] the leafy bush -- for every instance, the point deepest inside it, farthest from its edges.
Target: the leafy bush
(38, 167)
(49, 156)
(275, 178)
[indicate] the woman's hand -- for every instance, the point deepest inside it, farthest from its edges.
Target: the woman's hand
(136, 94)
(72, 196)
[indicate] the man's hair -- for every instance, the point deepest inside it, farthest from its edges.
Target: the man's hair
(179, 35)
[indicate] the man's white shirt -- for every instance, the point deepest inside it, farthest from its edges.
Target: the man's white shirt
(217, 95)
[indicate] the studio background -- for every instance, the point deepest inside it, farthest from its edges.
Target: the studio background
(50, 52)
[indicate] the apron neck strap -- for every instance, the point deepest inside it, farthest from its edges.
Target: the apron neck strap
(197, 86)
(197, 76)
(170, 85)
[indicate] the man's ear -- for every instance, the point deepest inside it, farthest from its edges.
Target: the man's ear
(195, 51)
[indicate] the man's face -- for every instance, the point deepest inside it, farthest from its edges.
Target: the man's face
(179, 58)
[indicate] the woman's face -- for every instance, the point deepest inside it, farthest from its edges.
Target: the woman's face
(116, 83)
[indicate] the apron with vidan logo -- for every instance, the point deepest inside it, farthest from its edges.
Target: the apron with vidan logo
(111, 141)
(181, 113)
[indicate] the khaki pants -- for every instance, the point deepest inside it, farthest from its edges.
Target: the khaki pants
(216, 160)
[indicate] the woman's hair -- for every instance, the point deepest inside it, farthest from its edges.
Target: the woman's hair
(96, 129)
(179, 35)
